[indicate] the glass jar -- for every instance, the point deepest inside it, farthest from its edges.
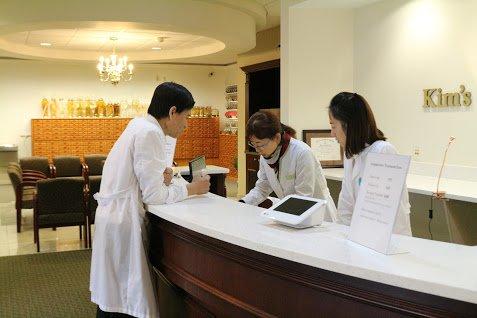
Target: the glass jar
(70, 108)
(45, 108)
(116, 110)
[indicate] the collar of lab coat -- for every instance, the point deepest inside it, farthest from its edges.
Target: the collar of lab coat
(154, 121)
(358, 161)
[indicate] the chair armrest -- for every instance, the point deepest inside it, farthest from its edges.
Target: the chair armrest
(33, 174)
(85, 172)
(86, 195)
(33, 177)
(52, 170)
(28, 183)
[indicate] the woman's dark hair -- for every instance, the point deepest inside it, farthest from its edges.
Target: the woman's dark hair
(358, 122)
(170, 94)
(264, 124)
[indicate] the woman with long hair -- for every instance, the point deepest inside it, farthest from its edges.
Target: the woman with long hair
(353, 125)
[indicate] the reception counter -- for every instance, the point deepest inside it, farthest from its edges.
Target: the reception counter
(224, 260)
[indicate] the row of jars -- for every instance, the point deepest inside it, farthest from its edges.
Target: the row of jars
(204, 112)
(78, 108)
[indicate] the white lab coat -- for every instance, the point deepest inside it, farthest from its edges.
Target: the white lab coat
(300, 173)
(353, 172)
(132, 176)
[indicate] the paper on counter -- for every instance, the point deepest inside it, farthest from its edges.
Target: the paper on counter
(170, 150)
(378, 201)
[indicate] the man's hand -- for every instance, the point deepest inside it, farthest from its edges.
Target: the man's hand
(168, 174)
(199, 185)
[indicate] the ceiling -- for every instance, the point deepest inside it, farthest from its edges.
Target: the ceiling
(336, 4)
(195, 31)
(97, 40)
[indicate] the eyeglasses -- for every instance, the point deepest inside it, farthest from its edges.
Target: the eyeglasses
(258, 147)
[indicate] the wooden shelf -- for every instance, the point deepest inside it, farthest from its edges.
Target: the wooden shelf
(82, 136)
(75, 136)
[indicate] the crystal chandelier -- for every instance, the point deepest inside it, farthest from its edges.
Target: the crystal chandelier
(114, 69)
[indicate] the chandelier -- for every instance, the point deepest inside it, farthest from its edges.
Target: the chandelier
(114, 69)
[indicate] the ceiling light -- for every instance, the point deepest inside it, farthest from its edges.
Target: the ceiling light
(45, 44)
(156, 48)
(114, 68)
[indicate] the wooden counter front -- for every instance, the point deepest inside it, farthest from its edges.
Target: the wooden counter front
(215, 257)
(218, 279)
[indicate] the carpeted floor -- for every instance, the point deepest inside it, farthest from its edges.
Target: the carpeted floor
(46, 285)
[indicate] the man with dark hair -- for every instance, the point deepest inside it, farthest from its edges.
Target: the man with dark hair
(135, 174)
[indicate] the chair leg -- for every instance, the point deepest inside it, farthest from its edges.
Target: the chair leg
(34, 227)
(86, 236)
(19, 219)
(89, 235)
(81, 232)
(37, 238)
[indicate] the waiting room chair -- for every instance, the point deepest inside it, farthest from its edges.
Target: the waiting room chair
(94, 168)
(60, 202)
(67, 166)
(24, 186)
(39, 164)
(94, 164)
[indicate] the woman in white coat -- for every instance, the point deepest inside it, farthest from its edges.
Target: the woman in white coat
(353, 125)
(287, 165)
(135, 174)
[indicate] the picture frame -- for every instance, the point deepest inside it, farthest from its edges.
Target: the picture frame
(324, 147)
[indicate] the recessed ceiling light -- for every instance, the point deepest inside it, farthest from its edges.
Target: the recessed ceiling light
(156, 48)
(45, 44)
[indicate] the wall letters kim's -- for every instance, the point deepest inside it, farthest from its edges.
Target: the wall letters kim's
(434, 97)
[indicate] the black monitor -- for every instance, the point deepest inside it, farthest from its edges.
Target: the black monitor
(295, 206)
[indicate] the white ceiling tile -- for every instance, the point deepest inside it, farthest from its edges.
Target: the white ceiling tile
(57, 41)
(54, 32)
(19, 37)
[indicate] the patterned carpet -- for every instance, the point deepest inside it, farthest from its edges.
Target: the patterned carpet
(46, 285)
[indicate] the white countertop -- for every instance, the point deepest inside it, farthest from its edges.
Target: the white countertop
(437, 268)
(210, 169)
(455, 189)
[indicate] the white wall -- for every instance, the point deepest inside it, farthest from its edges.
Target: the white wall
(390, 52)
(24, 83)
(402, 47)
(320, 64)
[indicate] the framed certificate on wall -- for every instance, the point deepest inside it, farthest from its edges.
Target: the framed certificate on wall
(326, 149)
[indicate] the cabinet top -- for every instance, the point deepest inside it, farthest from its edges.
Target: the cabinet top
(83, 118)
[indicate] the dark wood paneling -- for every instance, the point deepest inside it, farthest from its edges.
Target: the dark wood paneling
(252, 164)
(217, 184)
(261, 66)
(231, 281)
